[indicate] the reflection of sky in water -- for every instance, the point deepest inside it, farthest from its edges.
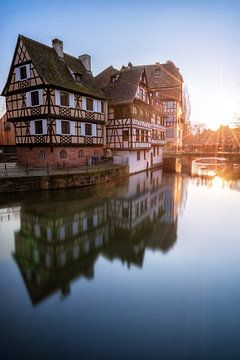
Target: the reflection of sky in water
(181, 304)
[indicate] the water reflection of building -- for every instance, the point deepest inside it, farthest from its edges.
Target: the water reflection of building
(60, 240)
(9, 213)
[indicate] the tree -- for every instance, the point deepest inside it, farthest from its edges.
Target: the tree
(186, 110)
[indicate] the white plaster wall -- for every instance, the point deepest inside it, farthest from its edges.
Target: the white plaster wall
(158, 159)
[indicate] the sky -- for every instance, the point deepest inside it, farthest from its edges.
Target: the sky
(200, 37)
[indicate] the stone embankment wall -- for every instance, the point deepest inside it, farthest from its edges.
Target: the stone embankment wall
(60, 181)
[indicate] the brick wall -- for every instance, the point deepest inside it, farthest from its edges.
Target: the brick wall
(58, 157)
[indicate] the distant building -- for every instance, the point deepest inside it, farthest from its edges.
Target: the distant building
(135, 127)
(57, 110)
(165, 82)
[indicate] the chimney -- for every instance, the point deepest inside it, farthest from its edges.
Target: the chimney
(86, 60)
(58, 47)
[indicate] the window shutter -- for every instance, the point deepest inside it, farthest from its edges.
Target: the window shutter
(57, 97)
(32, 127)
(28, 71)
(84, 103)
(94, 130)
(72, 128)
(44, 122)
(58, 127)
(17, 72)
(83, 129)
(71, 100)
(40, 96)
(95, 105)
(28, 99)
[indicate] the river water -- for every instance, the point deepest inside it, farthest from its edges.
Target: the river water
(145, 268)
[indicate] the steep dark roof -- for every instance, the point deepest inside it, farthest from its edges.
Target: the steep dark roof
(171, 68)
(56, 71)
(159, 77)
(123, 90)
(104, 77)
(164, 78)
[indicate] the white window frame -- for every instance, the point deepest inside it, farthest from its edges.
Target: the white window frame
(18, 72)
(33, 129)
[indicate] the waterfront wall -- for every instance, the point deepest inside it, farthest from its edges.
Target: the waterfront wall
(61, 181)
(67, 156)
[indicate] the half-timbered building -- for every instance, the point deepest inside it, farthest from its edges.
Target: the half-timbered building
(165, 82)
(57, 110)
(135, 126)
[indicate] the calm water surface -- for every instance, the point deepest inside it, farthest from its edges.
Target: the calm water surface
(147, 269)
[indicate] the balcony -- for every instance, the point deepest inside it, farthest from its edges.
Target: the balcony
(160, 142)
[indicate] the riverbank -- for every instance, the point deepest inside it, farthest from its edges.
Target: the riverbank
(20, 179)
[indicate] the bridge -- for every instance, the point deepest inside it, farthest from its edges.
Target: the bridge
(174, 161)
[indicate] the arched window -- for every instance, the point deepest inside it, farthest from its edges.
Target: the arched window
(63, 154)
(42, 155)
(81, 154)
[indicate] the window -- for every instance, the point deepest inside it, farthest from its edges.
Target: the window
(125, 212)
(138, 155)
(141, 93)
(65, 127)
(38, 127)
(34, 98)
(135, 110)
(78, 78)
(154, 151)
(42, 155)
(96, 154)
(137, 135)
(125, 135)
(81, 154)
(169, 133)
(23, 72)
(170, 104)
(142, 135)
(88, 129)
(169, 120)
(89, 104)
(102, 106)
(64, 98)
(63, 154)
(144, 154)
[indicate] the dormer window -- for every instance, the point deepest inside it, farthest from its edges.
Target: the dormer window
(78, 77)
(114, 78)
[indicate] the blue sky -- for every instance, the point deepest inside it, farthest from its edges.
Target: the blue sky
(201, 37)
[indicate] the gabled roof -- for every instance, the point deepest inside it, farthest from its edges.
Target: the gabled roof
(57, 72)
(165, 78)
(123, 90)
(104, 77)
(159, 77)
